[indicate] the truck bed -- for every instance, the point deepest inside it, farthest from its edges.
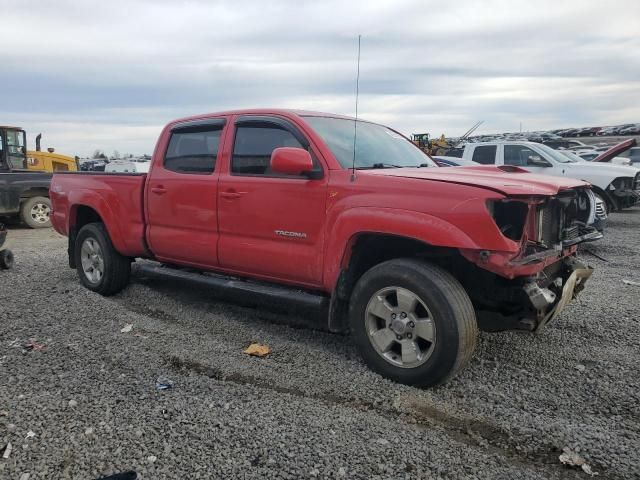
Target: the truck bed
(120, 195)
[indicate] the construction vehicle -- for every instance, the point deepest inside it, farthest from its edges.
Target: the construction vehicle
(14, 140)
(24, 183)
(442, 145)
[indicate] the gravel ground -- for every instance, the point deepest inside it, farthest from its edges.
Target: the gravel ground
(86, 405)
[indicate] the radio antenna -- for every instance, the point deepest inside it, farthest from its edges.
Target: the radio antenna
(355, 123)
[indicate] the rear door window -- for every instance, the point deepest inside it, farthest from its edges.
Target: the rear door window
(485, 154)
(193, 152)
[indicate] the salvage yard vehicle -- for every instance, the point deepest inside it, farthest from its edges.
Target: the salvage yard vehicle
(23, 192)
(599, 221)
(618, 186)
(289, 205)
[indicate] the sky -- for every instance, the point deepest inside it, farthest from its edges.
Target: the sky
(109, 74)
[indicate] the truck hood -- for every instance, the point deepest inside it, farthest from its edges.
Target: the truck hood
(600, 168)
(507, 180)
(616, 150)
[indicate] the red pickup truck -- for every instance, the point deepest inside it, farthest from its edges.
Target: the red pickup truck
(410, 257)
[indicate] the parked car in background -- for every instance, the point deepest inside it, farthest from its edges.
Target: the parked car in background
(633, 154)
(444, 161)
(24, 193)
(564, 143)
(600, 219)
(631, 130)
(617, 185)
(128, 165)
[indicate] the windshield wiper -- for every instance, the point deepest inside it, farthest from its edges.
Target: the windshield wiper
(380, 165)
(424, 165)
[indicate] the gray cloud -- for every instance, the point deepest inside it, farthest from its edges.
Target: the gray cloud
(109, 74)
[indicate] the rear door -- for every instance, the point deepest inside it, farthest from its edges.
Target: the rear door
(271, 225)
(181, 195)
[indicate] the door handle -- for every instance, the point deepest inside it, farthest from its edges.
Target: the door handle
(231, 194)
(159, 190)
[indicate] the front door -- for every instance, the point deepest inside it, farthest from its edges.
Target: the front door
(527, 158)
(270, 225)
(182, 196)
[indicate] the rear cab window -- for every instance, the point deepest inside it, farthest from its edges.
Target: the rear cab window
(193, 150)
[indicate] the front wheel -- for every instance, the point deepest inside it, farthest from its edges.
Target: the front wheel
(413, 322)
(100, 266)
(35, 212)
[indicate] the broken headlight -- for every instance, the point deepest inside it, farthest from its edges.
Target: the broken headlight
(510, 217)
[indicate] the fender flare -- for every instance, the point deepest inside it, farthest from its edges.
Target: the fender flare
(94, 200)
(356, 221)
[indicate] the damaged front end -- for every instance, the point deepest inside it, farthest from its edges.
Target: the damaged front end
(625, 191)
(528, 288)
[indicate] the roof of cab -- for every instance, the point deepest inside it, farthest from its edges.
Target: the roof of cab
(262, 111)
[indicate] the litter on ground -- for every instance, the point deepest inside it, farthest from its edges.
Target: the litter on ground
(257, 350)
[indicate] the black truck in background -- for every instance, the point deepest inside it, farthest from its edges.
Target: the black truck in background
(23, 193)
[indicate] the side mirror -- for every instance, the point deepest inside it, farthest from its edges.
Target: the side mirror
(537, 161)
(291, 161)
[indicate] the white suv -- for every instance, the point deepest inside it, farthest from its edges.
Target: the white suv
(618, 186)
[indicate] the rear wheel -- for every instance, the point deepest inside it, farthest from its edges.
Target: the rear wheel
(35, 212)
(413, 322)
(100, 266)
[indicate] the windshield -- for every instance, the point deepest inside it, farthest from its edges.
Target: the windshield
(555, 154)
(376, 146)
(571, 155)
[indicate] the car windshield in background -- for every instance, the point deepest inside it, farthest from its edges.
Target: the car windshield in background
(571, 155)
(556, 155)
(376, 146)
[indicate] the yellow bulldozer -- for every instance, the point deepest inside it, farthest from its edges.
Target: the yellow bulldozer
(36, 160)
(442, 145)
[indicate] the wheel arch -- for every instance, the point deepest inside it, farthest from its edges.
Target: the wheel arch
(612, 205)
(79, 216)
(366, 250)
(34, 192)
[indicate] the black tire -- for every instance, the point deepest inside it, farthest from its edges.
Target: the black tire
(36, 220)
(450, 310)
(116, 268)
(7, 260)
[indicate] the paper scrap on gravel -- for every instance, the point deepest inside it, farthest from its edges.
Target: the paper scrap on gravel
(127, 328)
(571, 458)
(7, 451)
(257, 350)
(631, 282)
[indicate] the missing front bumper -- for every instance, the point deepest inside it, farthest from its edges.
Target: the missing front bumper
(575, 276)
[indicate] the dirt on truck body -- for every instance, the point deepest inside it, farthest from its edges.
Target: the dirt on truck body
(410, 257)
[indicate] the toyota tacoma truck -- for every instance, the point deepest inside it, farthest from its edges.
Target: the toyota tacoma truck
(340, 214)
(618, 186)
